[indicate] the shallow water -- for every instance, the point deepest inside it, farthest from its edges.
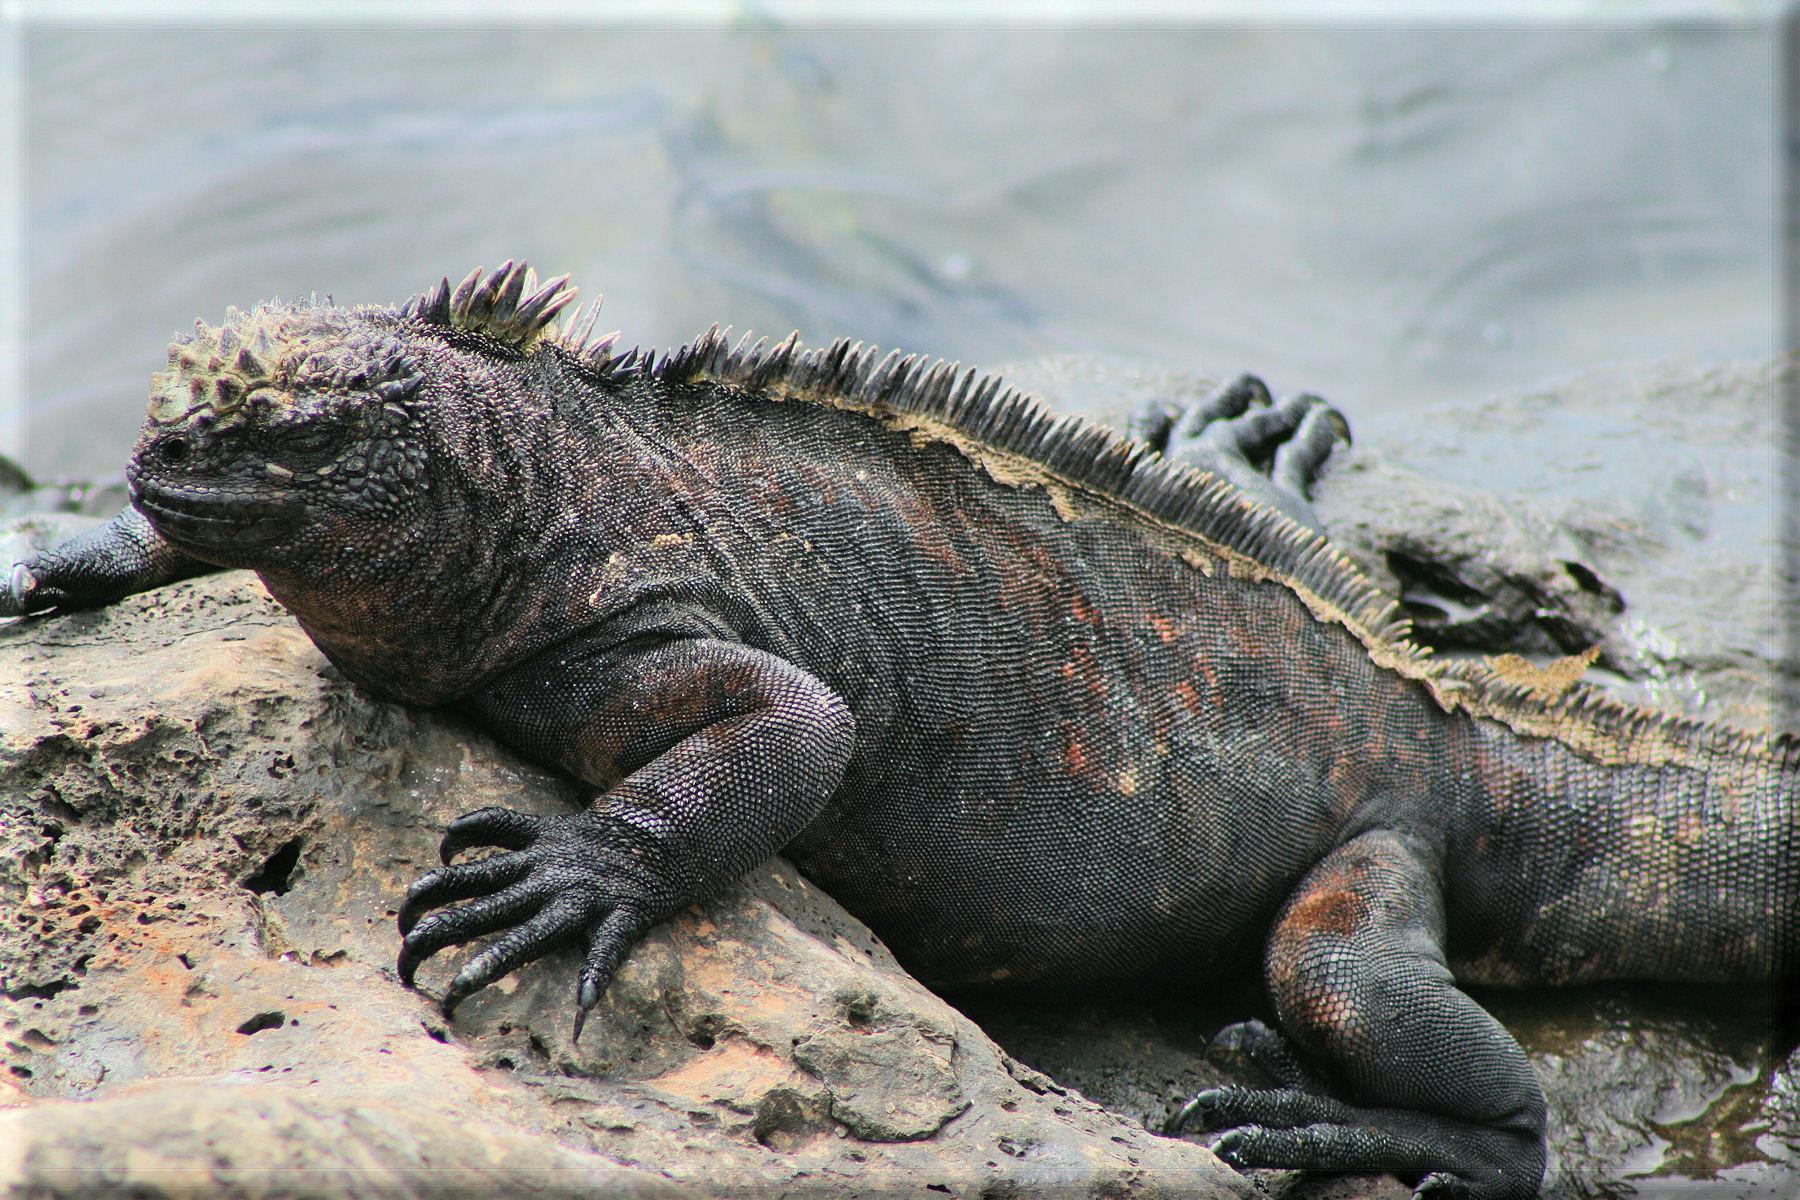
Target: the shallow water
(1393, 216)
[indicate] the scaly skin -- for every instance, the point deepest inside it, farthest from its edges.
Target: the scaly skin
(1045, 712)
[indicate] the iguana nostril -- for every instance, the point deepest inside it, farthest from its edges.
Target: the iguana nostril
(175, 449)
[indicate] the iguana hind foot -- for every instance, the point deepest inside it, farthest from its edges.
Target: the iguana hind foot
(1299, 1124)
(1356, 969)
(1401, 1143)
(1271, 450)
(1292, 1128)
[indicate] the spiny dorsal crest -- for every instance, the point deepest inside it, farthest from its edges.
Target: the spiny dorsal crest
(579, 339)
(942, 400)
(506, 304)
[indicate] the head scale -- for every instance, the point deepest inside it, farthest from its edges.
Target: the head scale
(258, 363)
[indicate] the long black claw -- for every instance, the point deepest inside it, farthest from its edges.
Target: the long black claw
(454, 926)
(488, 827)
(553, 926)
(417, 899)
(1175, 1124)
(608, 944)
(1204, 1105)
(1340, 424)
(22, 594)
(19, 585)
(586, 996)
(447, 884)
(408, 964)
(1231, 1145)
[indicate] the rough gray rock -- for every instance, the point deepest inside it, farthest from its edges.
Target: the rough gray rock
(278, 1141)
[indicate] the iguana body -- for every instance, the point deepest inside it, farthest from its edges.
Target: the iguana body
(1045, 711)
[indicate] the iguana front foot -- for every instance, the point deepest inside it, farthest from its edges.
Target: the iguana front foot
(1271, 450)
(107, 563)
(580, 877)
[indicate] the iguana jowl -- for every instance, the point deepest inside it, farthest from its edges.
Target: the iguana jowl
(1043, 708)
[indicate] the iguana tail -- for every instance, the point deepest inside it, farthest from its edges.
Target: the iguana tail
(1672, 853)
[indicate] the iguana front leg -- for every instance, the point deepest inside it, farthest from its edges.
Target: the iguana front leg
(713, 755)
(107, 563)
(1437, 1088)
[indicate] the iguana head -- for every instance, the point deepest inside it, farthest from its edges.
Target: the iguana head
(301, 429)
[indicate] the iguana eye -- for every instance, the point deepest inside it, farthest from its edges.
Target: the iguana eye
(305, 439)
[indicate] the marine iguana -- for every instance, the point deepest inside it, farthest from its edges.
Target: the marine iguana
(1046, 708)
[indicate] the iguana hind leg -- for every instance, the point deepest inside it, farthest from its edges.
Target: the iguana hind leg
(1271, 451)
(1435, 1088)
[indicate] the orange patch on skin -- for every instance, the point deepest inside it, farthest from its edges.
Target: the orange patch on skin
(1335, 911)
(1328, 903)
(929, 532)
(1084, 612)
(775, 501)
(1165, 629)
(1075, 755)
(1349, 778)
(941, 550)
(1190, 696)
(1083, 664)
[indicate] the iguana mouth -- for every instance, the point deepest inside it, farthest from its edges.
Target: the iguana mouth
(208, 518)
